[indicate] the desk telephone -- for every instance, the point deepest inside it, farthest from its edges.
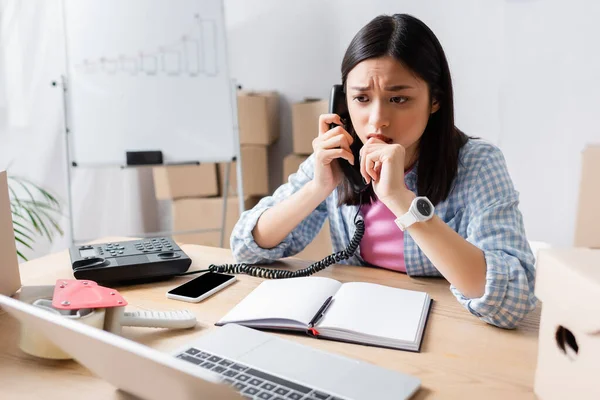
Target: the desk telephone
(337, 105)
(133, 260)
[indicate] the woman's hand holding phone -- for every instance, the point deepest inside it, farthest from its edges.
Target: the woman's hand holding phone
(328, 146)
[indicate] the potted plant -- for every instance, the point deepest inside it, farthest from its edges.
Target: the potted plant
(34, 212)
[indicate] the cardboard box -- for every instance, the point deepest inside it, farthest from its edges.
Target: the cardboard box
(291, 163)
(305, 123)
(320, 247)
(258, 117)
(254, 169)
(206, 213)
(179, 181)
(587, 225)
(568, 284)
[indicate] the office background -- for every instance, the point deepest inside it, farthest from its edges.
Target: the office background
(525, 78)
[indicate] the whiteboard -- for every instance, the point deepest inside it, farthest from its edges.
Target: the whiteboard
(146, 75)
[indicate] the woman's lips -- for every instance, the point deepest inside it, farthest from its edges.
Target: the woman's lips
(379, 136)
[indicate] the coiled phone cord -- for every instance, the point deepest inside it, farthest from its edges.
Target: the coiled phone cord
(270, 273)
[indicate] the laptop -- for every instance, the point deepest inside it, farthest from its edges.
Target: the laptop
(221, 364)
(10, 280)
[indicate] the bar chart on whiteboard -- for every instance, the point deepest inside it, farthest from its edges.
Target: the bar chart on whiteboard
(192, 53)
(148, 76)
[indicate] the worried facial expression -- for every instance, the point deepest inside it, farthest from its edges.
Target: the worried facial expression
(387, 101)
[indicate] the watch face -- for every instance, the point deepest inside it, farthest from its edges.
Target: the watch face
(424, 207)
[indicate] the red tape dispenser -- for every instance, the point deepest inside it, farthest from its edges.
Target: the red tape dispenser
(76, 295)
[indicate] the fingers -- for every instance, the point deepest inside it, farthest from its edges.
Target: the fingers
(336, 141)
(370, 163)
(338, 130)
(326, 156)
(326, 119)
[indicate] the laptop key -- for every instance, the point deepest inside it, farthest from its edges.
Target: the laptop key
(207, 365)
(219, 368)
(282, 391)
(255, 382)
(192, 351)
(230, 373)
(265, 395)
(278, 398)
(225, 363)
(239, 367)
(251, 390)
(279, 381)
(239, 386)
(294, 396)
(242, 377)
(203, 355)
(320, 395)
(268, 386)
(191, 359)
(214, 359)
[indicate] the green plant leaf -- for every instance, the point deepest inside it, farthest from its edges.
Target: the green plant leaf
(35, 212)
(24, 243)
(18, 232)
(50, 219)
(43, 192)
(25, 227)
(24, 186)
(44, 230)
(21, 255)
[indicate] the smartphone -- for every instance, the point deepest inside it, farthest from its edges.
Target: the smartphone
(201, 287)
(338, 105)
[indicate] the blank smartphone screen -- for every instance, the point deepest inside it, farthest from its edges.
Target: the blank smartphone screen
(200, 285)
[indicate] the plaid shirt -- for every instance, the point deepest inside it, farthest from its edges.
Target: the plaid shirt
(482, 207)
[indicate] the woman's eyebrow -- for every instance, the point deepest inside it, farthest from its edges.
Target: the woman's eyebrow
(396, 88)
(393, 88)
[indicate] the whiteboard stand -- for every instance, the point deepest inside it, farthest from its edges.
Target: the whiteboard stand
(237, 160)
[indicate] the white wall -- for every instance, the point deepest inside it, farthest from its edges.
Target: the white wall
(549, 107)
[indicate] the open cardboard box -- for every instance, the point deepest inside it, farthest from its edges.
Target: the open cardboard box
(568, 284)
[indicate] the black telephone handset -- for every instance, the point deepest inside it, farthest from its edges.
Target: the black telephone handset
(338, 105)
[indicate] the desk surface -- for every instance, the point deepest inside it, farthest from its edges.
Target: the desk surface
(460, 356)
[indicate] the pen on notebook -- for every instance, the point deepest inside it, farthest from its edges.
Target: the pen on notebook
(321, 311)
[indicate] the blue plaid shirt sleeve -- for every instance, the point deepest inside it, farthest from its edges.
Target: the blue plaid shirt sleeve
(496, 227)
(243, 246)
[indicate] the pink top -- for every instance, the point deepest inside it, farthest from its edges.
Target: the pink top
(383, 242)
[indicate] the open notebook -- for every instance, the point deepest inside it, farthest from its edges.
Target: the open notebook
(356, 312)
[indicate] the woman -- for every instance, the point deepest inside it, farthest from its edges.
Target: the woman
(400, 136)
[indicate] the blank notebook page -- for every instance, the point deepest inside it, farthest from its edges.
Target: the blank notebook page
(296, 299)
(376, 310)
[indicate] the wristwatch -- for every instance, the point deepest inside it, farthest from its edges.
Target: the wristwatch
(420, 210)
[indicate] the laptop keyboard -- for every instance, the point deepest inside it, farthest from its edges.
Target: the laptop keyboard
(253, 383)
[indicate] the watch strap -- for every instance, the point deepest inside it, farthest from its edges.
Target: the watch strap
(406, 220)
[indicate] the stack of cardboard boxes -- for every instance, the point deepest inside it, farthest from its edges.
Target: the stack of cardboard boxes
(194, 192)
(305, 127)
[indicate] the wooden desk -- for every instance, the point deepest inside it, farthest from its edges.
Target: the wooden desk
(461, 357)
